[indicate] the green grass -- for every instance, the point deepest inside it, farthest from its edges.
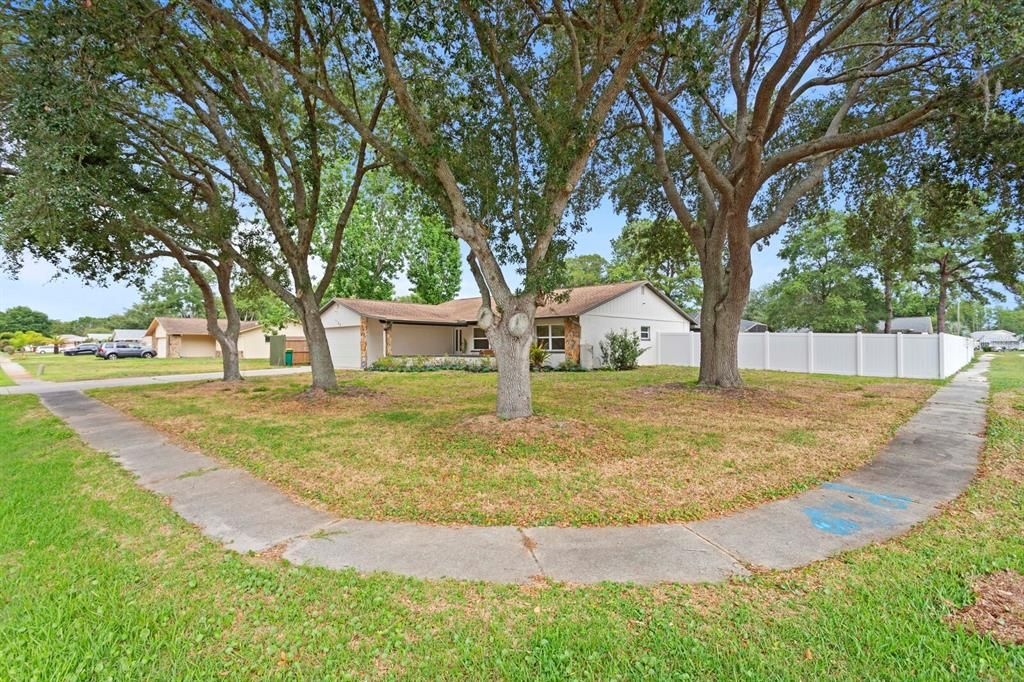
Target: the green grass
(101, 580)
(4, 379)
(81, 367)
(605, 447)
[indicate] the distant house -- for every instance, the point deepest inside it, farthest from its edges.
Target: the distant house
(99, 337)
(129, 335)
(746, 326)
(187, 337)
(908, 325)
(570, 325)
(66, 341)
(997, 339)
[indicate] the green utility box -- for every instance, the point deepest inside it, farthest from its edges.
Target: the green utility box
(288, 357)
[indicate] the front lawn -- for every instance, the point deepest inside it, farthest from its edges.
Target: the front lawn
(81, 367)
(605, 448)
(100, 580)
(4, 379)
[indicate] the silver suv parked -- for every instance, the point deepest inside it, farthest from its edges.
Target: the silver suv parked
(112, 350)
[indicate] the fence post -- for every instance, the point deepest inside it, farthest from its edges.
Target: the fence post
(942, 357)
(899, 355)
(693, 350)
(767, 354)
(860, 354)
(810, 352)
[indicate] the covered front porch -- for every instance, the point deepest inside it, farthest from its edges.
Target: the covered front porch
(384, 338)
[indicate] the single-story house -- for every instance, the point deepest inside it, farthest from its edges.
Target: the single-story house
(66, 341)
(570, 325)
(187, 337)
(908, 325)
(997, 339)
(130, 336)
(746, 326)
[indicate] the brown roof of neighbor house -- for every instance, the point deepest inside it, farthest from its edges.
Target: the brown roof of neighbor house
(560, 303)
(192, 326)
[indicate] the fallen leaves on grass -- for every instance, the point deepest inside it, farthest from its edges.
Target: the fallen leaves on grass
(998, 608)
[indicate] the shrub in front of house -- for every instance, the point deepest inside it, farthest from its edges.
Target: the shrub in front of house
(420, 363)
(538, 356)
(621, 350)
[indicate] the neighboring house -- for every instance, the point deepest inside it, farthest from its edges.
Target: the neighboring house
(997, 339)
(908, 325)
(66, 341)
(746, 326)
(187, 337)
(570, 325)
(130, 336)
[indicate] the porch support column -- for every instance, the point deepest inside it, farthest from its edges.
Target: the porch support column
(387, 338)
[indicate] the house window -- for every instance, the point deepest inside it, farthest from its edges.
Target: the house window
(480, 339)
(645, 333)
(551, 336)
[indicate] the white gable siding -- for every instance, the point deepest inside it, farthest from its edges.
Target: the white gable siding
(338, 315)
(630, 311)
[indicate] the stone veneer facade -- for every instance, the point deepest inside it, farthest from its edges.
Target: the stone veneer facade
(362, 342)
(572, 339)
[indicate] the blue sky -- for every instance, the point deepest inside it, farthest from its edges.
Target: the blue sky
(67, 298)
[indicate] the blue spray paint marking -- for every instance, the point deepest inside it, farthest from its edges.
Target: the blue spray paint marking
(878, 499)
(843, 518)
(825, 520)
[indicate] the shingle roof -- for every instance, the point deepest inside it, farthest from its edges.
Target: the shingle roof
(561, 303)
(916, 325)
(128, 334)
(192, 326)
(989, 335)
(745, 325)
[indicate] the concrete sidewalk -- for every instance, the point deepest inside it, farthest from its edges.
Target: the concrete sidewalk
(26, 383)
(929, 462)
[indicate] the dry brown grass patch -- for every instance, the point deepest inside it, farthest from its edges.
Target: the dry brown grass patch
(528, 429)
(605, 449)
(998, 608)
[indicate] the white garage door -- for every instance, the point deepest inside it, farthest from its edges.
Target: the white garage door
(344, 343)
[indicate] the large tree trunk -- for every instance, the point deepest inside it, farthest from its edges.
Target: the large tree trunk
(511, 336)
(320, 360)
(887, 290)
(725, 296)
(228, 337)
(943, 295)
(719, 339)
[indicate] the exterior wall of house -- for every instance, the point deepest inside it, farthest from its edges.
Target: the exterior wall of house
(196, 346)
(374, 341)
(634, 309)
(252, 345)
(158, 340)
(339, 316)
(421, 339)
(292, 331)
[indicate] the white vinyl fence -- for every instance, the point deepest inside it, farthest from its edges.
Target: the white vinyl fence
(914, 356)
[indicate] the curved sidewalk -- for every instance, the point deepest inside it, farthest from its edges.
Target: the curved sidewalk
(929, 462)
